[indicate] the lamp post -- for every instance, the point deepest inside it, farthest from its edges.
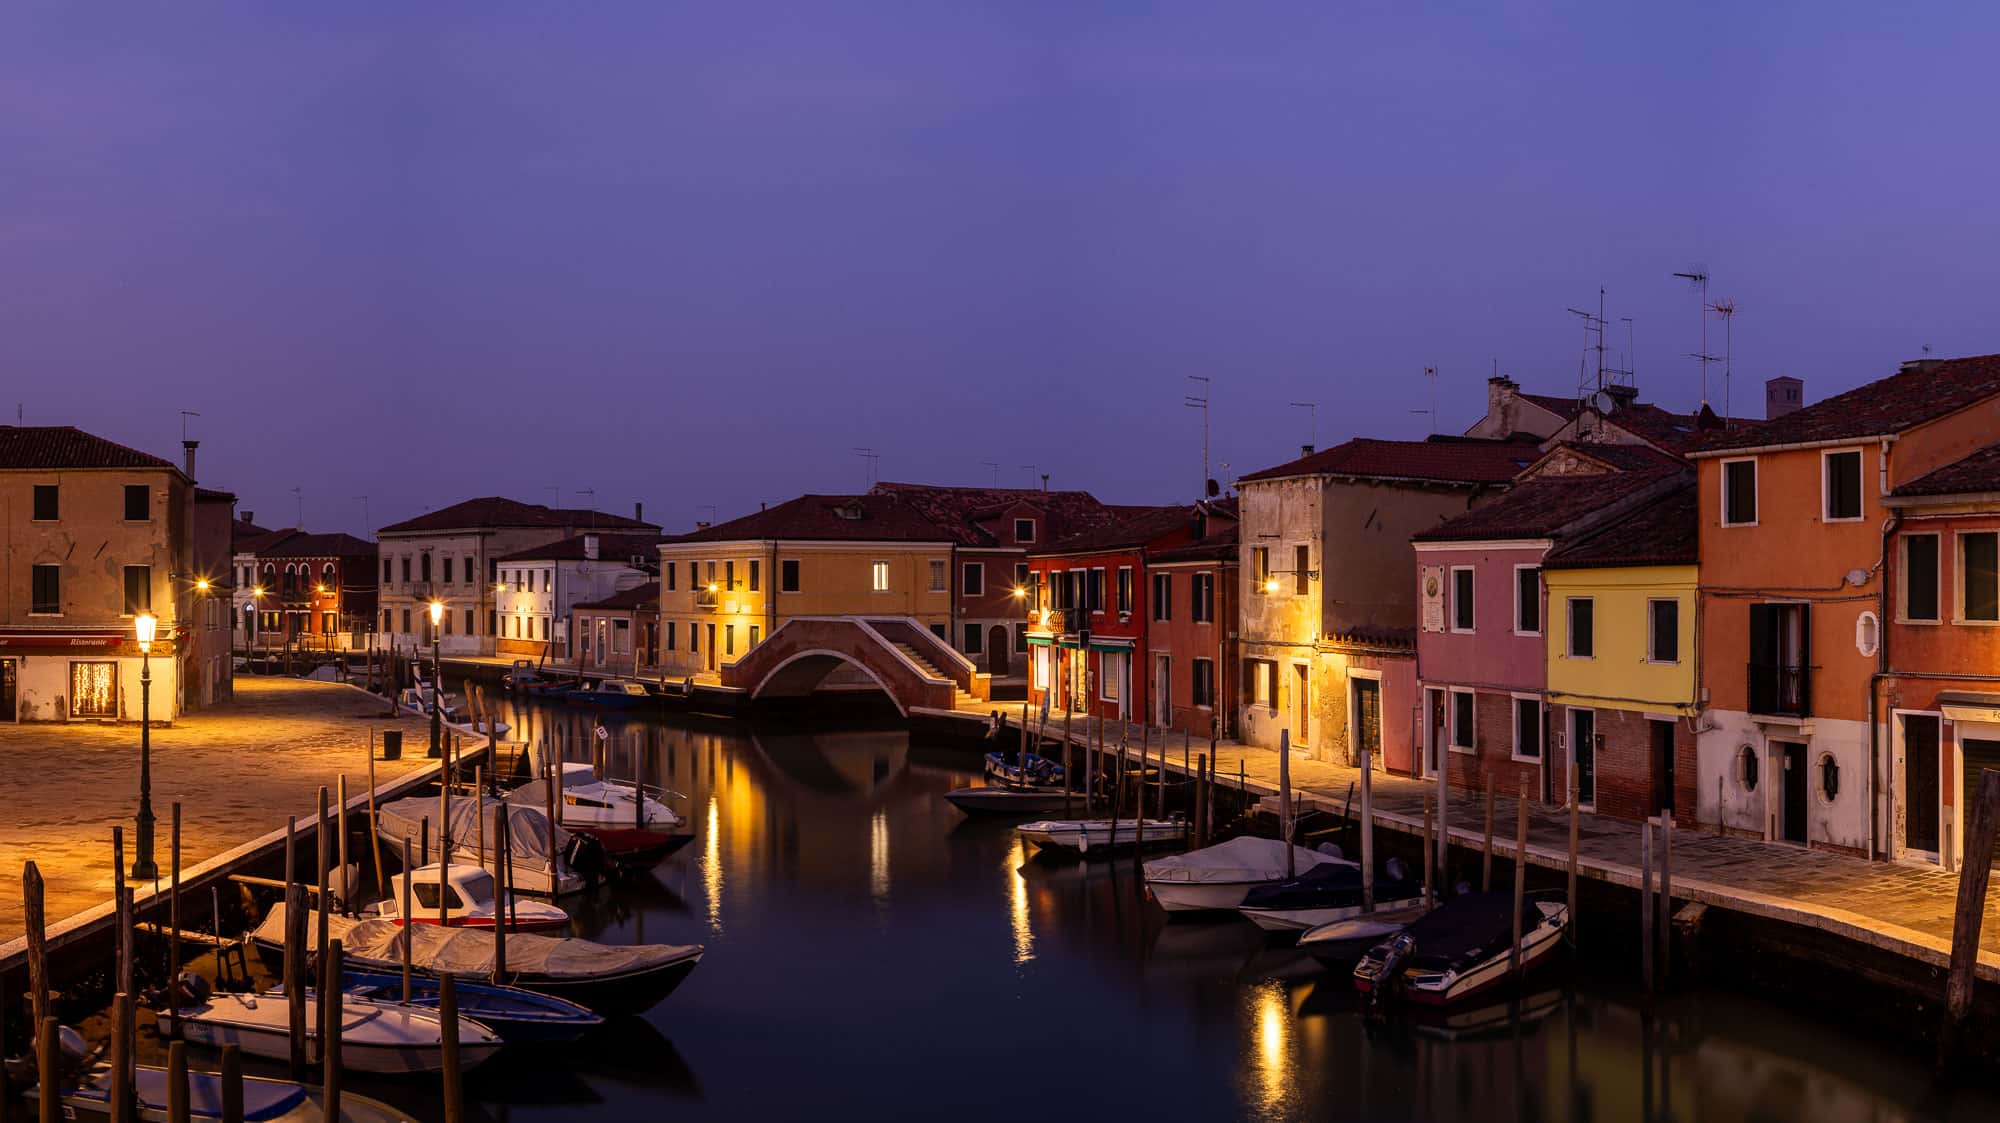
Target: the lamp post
(143, 866)
(437, 682)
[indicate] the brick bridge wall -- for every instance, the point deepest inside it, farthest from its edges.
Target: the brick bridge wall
(796, 658)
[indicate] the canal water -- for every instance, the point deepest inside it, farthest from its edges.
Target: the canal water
(873, 954)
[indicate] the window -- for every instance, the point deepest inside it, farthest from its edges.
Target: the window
(1024, 530)
(1746, 768)
(755, 634)
(756, 575)
(694, 639)
(1527, 727)
(1842, 487)
(138, 589)
(1020, 637)
(621, 637)
(1527, 600)
(1461, 598)
(939, 579)
(670, 629)
(1260, 569)
(1461, 719)
(424, 564)
(47, 594)
(48, 505)
(1204, 598)
(1020, 575)
(729, 575)
(468, 621)
(1979, 580)
(541, 627)
(1739, 492)
(973, 635)
(93, 689)
(669, 573)
(1097, 589)
(1301, 566)
(328, 578)
(1163, 596)
(406, 572)
(1203, 692)
(694, 576)
(1582, 628)
(879, 576)
(388, 569)
(788, 575)
(1125, 590)
(447, 569)
(1110, 675)
(972, 580)
(1664, 628)
(388, 621)
(938, 631)
(1263, 683)
(138, 503)
(406, 614)
(1042, 668)
(469, 571)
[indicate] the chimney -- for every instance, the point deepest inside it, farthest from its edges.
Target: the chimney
(1045, 482)
(638, 512)
(187, 450)
(590, 547)
(1784, 394)
(249, 516)
(702, 525)
(1622, 395)
(1305, 450)
(1502, 413)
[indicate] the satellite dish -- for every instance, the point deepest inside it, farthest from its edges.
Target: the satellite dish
(1604, 402)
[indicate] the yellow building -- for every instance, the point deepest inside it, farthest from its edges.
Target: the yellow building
(1621, 659)
(724, 588)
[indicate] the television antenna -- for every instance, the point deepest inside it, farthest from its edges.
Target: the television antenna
(1032, 470)
(869, 458)
(1697, 278)
(1431, 373)
(995, 465)
(185, 414)
(1312, 422)
(1200, 401)
(1726, 309)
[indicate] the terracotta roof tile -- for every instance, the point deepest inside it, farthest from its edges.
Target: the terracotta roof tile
(1664, 531)
(829, 518)
(496, 511)
(296, 544)
(51, 447)
(1220, 546)
(610, 547)
(638, 596)
(1542, 508)
(1923, 391)
(1976, 472)
(966, 511)
(1141, 526)
(1455, 460)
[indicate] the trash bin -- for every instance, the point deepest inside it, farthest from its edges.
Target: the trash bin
(392, 744)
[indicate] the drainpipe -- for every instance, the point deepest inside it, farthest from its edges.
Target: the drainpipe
(1881, 656)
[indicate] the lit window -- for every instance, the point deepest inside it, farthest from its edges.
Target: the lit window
(880, 576)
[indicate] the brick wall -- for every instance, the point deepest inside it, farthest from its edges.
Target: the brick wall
(1625, 771)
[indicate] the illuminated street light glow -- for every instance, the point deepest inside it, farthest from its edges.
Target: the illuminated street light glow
(1019, 592)
(437, 613)
(147, 626)
(1271, 585)
(201, 585)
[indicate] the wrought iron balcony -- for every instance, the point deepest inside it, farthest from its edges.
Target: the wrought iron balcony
(1781, 691)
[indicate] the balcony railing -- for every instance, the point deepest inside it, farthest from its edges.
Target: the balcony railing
(1781, 691)
(705, 597)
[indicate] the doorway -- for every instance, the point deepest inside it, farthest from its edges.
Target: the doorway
(1920, 785)
(1300, 708)
(1163, 690)
(1367, 721)
(1978, 757)
(9, 686)
(1792, 810)
(1663, 767)
(998, 662)
(1583, 747)
(1433, 729)
(711, 647)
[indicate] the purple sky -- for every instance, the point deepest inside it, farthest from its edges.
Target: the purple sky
(695, 256)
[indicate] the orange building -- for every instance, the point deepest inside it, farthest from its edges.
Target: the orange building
(1794, 744)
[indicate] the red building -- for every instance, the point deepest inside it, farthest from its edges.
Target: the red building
(1191, 634)
(312, 589)
(1089, 608)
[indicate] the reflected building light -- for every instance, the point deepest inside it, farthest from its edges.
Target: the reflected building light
(1272, 1057)
(711, 868)
(878, 857)
(1017, 893)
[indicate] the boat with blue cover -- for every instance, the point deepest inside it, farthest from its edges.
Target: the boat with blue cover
(264, 1100)
(1328, 893)
(517, 1015)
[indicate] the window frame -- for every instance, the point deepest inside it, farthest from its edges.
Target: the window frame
(1162, 608)
(1569, 627)
(1027, 539)
(1260, 570)
(974, 639)
(939, 571)
(1964, 572)
(1540, 622)
(878, 575)
(966, 581)
(1471, 599)
(35, 503)
(1195, 682)
(1122, 592)
(125, 576)
(1202, 604)
(1653, 633)
(791, 575)
(1541, 728)
(35, 606)
(145, 495)
(1756, 481)
(1106, 681)
(1301, 568)
(1826, 485)
(1451, 724)
(1903, 571)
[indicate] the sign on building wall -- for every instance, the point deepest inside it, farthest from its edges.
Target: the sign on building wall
(1433, 589)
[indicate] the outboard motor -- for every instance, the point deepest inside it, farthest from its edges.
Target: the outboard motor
(585, 855)
(1331, 850)
(1389, 979)
(1396, 869)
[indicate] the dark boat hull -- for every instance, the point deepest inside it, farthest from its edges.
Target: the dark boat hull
(629, 992)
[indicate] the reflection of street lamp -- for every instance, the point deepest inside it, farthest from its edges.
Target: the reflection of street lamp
(437, 682)
(143, 866)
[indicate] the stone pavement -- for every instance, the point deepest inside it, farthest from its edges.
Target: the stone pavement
(238, 770)
(1902, 908)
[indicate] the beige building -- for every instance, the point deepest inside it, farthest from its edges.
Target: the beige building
(98, 534)
(453, 555)
(724, 588)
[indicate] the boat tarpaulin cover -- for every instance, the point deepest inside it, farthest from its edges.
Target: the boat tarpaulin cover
(469, 951)
(1239, 859)
(1465, 931)
(531, 840)
(1333, 883)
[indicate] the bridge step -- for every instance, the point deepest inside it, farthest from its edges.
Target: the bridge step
(960, 697)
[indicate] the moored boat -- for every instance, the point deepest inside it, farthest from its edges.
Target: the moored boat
(1035, 771)
(538, 849)
(467, 900)
(264, 1100)
(1008, 799)
(1342, 942)
(374, 1036)
(1087, 836)
(1461, 948)
(1217, 877)
(516, 1015)
(1325, 894)
(609, 694)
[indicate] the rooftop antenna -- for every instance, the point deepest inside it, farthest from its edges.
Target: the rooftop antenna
(1312, 422)
(1031, 469)
(1726, 309)
(869, 457)
(709, 507)
(1200, 401)
(1697, 276)
(185, 414)
(1431, 373)
(555, 497)
(300, 493)
(365, 524)
(995, 465)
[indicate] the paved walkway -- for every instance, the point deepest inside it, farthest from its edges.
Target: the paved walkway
(238, 770)
(1903, 908)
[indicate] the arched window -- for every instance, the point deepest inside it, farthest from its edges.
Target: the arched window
(1746, 767)
(270, 578)
(326, 577)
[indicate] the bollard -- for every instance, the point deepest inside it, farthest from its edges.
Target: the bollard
(454, 1079)
(120, 1100)
(177, 1083)
(331, 1025)
(232, 1084)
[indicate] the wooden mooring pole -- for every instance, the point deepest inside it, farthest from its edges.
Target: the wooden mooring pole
(1520, 877)
(1646, 902)
(408, 880)
(122, 1040)
(1285, 802)
(178, 1107)
(330, 1027)
(1571, 899)
(232, 1084)
(1486, 847)
(1367, 833)
(454, 1080)
(1974, 870)
(1666, 934)
(1430, 894)
(174, 930)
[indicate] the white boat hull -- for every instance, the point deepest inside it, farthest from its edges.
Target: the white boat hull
(1300, 920)
(1201, 896)
(375, 1037)
(1084, 836)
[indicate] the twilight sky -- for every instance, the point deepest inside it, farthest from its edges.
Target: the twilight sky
(695, 254)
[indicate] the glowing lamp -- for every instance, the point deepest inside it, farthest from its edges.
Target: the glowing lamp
(1271, 585)
(257, 591)
(713, 587)
(201, 585)
(1019, 592)
(437, 613)
(147, 626)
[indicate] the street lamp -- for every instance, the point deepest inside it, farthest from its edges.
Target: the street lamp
(437, 682)
(143, 866)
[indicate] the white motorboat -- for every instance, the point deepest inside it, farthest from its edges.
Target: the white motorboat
(539, 866)
(1341, 942)
(1460, 948)
(374, 1036)
(467, 901)
(264, 1100)
(588, 802)
(1217, 877)
(1087, 836)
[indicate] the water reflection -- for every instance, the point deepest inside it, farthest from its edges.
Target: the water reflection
(879, 953)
